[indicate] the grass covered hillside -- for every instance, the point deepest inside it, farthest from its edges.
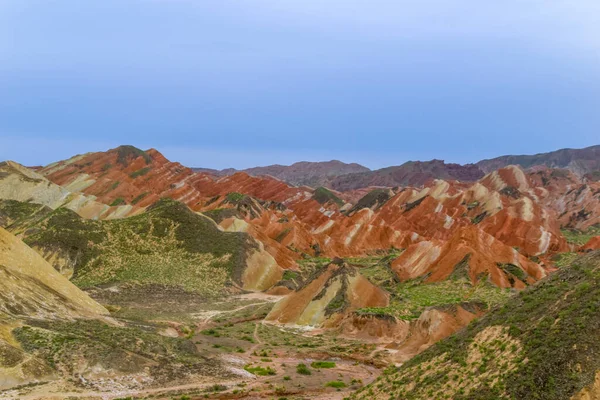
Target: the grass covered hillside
(168, 244)
(543, 343)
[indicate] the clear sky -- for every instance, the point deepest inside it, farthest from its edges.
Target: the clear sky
(240, 83)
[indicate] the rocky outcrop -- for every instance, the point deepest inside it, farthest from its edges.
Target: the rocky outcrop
(574, 201)
(327, 297)
(469, 253)
(24, 185)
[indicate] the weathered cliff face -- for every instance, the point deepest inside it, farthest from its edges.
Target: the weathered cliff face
(574, 201)
(327, 297)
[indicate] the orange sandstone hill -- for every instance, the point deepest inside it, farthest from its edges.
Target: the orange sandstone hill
(327, 296)
(506, 217)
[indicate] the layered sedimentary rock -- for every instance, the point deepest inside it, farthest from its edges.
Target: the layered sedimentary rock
(470, 253)
(407, 338)
(25, 185)
(574, 201)
(327, 297)
(519, 210)
(31, 288)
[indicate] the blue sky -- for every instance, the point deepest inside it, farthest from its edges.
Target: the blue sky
(240, 83)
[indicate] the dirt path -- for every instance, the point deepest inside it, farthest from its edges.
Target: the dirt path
(256, 338)
(46, 393)
(262, 298)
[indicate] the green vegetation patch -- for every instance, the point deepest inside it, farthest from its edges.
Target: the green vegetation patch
(281, 235)
(126, 153)
(168, 244)
(14, 212)
(126, 350)
(119, 201)
(515, 271)
(139, 198)
(564, 259)
(140, 172)
(234, 197)
(541, 344)
(578, 237)
(323, 195)
(220, 214)
(260, 371)
(335, 384)
(411, 298)
(374, 199)
(322, 364)
(302, 369)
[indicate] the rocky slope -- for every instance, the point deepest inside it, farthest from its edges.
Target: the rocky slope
(168, 244)
(409, 338)
(25, 185)
(31, 288)
(575, 201)
(513, 207)
(327, 297)
(542, 344)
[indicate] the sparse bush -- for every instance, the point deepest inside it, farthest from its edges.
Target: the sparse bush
(322, 364)
(336, 384)
(302, 369)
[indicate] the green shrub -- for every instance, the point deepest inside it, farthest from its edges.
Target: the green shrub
(302, 369)
(323, 364)
(140, 172)
(119, 201)
(260, 371)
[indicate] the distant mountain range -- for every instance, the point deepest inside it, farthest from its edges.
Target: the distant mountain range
(342, 176)
(302, 173)
(580, 161)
